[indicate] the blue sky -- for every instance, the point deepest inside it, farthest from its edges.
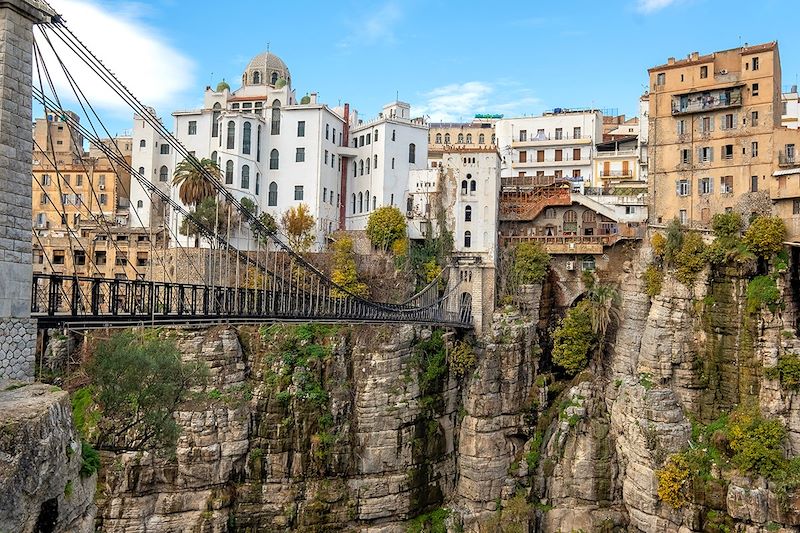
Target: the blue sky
(449, 60)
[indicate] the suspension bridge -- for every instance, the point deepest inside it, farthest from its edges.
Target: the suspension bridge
(247, 273)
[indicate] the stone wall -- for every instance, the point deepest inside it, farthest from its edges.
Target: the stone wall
(16, 144)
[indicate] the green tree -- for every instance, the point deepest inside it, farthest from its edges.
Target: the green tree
(196, 184)
(765, 236)
(269, 222)
(603, 307)
(530, 263)
(138, 381)
(209, 214)
(385, 226)
(756, 442)
(674, 240)
(344, 269)
(574, 339)
(727, 225)
(298, 223)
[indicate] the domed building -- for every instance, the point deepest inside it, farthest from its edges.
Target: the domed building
(266, 69)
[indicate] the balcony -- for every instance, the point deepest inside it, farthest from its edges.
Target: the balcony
(787, 159)
(616, 173)
(633, 152)
(527, 181)
(704, 102)
(551, 140)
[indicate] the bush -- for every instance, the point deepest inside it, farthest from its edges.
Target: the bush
(90, 458)
(431, 361)
(674, 239)
(762, 291)
(433, 522)
(385, 226)
(659, 244)
(653, 280)
(690, 258)
(462, 359)
(727, 225)
(674, 481)
(138, 380)
(298, 224)
(344, 269)
(756, 442)
(530, 263)
(765, 236)
(787, 371)
(574, 339)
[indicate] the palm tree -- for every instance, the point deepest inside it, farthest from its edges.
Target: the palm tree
(603, 308)
(195, 185)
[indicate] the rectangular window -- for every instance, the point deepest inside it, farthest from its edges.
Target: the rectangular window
(683, 188)
(325, 194)
(192, 127)
(58, 257)
(300, 155)
(754, 89)
(726, 185)
(164, 149)
(727, 121)
(705, 186)
(705, 125)
(121, 259)
(686, 156)
(45, 179)
(753, 183)
(559, 155)
(630, 210)
(79, 180)
(301, 128)
(327, 131)
(705, 154)
(704, 71)
(754, 118)
(576, 133)
(326, 157)
(661, 78)
(559, 174)
(523, 135)
(298, 192)
(576, 173)
(559, 133)
(79, 257)
(576, 154)
(755, 63)
(539, 156)
(754, 149)
(523, 156)
(682, 217)
(369, 138)
(103, 199)
(727, 151)
(681, 127)
(795, 208)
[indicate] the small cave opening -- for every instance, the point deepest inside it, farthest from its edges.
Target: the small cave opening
(48, 516)
(794, 286)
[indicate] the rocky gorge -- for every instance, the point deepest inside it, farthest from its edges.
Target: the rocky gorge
(403, 428)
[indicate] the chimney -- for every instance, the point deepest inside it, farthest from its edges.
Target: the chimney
(670, 61)
(313, 98)
(694, 55)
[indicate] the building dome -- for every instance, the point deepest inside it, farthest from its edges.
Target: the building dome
(221, 86)
(266, 69)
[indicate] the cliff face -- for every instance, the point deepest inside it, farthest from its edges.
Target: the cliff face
(315, 428)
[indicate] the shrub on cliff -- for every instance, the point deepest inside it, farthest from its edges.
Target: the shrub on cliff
(385, 226)
(765, 236)
(659, 244)
(344, 269)
(756, 442)
(762, 291)
(529, 264)
(653, 280)
(138, 381)
(573, 339)
(726, 225)
(787, 371)
(674, 481)
(690, 258)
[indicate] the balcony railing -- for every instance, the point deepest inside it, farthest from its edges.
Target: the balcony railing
(787, 159)
(528, 181)
(616, 173)
(699, 102)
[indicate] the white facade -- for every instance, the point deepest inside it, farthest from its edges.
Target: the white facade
(790, 114)
(644, 134)
(280, 152)
(558, 143)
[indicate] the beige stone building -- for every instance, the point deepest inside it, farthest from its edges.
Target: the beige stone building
(716, 142)
(448, 136)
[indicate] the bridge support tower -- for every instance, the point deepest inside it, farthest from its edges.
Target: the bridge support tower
(474, 296)
(17, 328)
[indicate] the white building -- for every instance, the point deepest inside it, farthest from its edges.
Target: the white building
(790, 114)
(280, 152)
(558, 143)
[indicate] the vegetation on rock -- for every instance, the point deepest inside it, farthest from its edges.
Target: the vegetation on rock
(385, 226)
(461, 359)
(344, 269)
(298, 224)
(674, 481)
(762, 291)
(653, 280)
(529, 264)
(765, 236)
(787, 371)
(574, 339)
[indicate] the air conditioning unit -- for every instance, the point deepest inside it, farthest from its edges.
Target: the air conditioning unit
(572, 246)
(570, 265)
(723, 71)
(409, 214)
(102, 187)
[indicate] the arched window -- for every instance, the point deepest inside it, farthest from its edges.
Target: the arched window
(438, 138)
(361, 167)
(412, 153)
(464, 186)
(366, 197)
(258, 183)
(229, 173)
(589, 216)
(246, 138)
(272, 198)
(142, 143)
(245, 176)
(368, 162)
(446, 138)
(256, 78)
(355, 168)
(140, 204)
(481, 138)
(550, 213)
(375, 136)
(274, 78)
(361, 202)
(473, 186)
(215, 119)
(468, 214)
(141, 171)
(460, 138)
(163, 173)
(376, 162)
(469, 138)
(273, 159)
(570, 224)
(230, 144)
(467, 239)
(374, 202)
(258, 143)
(276, 116)
(493, 138)
(570, 216)
(354, 203)
(214, 157)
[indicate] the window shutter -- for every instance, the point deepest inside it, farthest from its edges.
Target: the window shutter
(711, 124)
(678, 187)
(710, 186)
(735, 120)
(711, 154)
(699, 154)
(700, 186)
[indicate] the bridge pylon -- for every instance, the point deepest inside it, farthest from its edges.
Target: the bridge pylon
(17, 328)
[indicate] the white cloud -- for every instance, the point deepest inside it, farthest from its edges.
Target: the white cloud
(460, 101)
(376, 27)
(154, 71)
(651, 6)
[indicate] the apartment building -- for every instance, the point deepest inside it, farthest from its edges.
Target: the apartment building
(790, 110)
(447, 136)
(716, 142)
(558, 143)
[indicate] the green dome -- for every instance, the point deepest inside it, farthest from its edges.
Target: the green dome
(281, 83)
(305, 100)
(221, 86)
